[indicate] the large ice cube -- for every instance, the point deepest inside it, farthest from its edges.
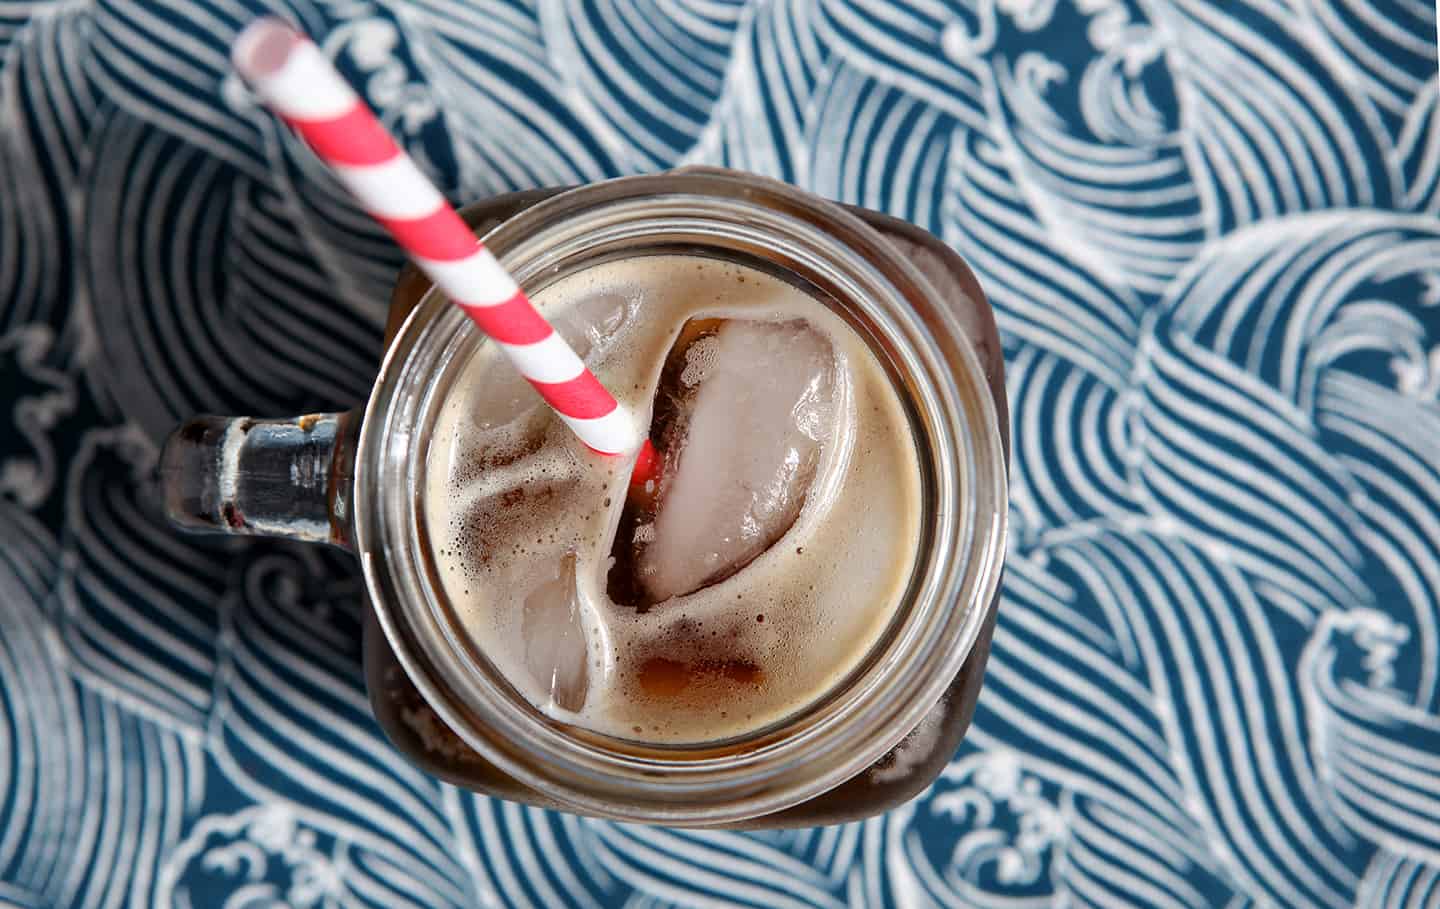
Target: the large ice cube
(747, 412)
(555, 651)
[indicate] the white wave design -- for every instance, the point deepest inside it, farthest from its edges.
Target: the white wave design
(1386, 48)
(626, 64)
(1099, 151)
(531, 857)
(1399, 506)
(36, 756)
(927, 49)
(137, 785)
(1209, 233)
(1084, 472)
(766, 118)
(44, 396)
(137, 605)
(45, 100)
(1377, 750)
(1187, 785)
(505, 120)
(716, 868)
(1042, 297)
(1278, 133)
(1392, 882)
(170, 76)
(856, 155)
(292, 721)
(1417, 150)
(1008, 834)
(1111, 859)
(94, 795)
(266, 311)
(1198, 413)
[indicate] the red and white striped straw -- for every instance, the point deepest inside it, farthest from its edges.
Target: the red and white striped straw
(298, 82)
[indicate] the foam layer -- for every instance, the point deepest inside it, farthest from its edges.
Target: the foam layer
(512, 497)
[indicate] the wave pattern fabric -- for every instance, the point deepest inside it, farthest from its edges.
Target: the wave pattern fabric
(1209, 228)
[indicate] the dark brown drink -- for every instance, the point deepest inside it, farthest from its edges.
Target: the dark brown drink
(738, 587)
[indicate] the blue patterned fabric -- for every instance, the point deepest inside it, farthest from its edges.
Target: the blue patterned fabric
(1209, 229)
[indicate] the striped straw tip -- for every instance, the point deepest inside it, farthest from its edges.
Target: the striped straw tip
(263, 47)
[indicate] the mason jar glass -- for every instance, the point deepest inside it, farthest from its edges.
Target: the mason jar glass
(357, 480)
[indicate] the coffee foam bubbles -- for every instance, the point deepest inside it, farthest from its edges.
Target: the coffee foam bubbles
(510, 493)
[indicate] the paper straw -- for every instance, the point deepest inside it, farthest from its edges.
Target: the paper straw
(297, 81)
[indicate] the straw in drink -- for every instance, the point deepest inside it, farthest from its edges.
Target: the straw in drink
(292, 76)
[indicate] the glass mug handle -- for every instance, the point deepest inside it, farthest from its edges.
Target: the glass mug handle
(290, 478)
(279, 478)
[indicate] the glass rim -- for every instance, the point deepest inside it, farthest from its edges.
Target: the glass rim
(812, 753)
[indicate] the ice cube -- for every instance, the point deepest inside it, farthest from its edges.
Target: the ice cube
(505, 400)
(741, 417)
(591, 323)
(555, 651)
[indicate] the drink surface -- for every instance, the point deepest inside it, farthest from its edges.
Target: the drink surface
(746, 582)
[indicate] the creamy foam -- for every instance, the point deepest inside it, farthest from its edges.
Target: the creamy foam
(514, 504)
